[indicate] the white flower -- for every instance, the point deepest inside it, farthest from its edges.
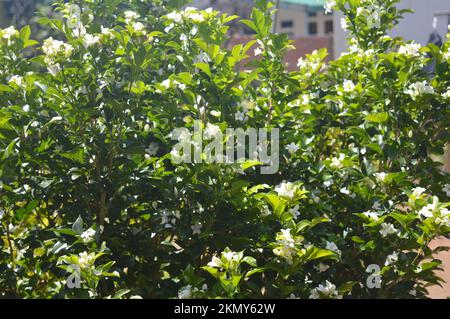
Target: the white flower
(305, 99)
(232, 258)
(333, 247)
(446, 95)
(79, 30)
(336, 162)
(185, 292)
(348, 86)
(371, 215)
(446, 189)
(184, 38)
(175, 16)
(168, 28)
(321, 267)
(106, 31)
(258, 51)
(410, 49)
(196, 17)
(130, 16)
(193, 14)
(428, 210)
(344, 23)
(190, 13)
(17, 80)
(197, 228)
(88, 235)
(286, 189)
(90, 40)
(376, 205)
(446, 221)
(418, 88)
(329, 6)
(418, 191)
(447, 55)
(392, 258)
(286, 245)
(166, 83)
(211, 131)
(292, 296)
(54, 69)
(387, 229)
(85, 259)
(215, 262)
(138, 27)
(381, 177)
(2, 212)
(328, 290)
(292, 148)
(9, 32)
(302, 63)
(52, 48)
(295, 211)
(168, 219)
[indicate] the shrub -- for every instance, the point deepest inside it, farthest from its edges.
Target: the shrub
(94, 204)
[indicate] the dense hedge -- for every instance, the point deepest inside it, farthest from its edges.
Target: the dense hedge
(89, 186)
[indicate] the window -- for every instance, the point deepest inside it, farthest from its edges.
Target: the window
(312, 28)
(329, 26)
(312, 13)
(287, 24)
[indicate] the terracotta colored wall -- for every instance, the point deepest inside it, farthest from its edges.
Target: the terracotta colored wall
(443, 292)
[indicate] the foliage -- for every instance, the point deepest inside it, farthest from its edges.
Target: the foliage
(87, 180)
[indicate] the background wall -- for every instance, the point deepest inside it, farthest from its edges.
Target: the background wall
(417, 26)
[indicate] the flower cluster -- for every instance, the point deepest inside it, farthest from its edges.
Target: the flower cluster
(327, 291)
(17, 80)
(88, 235)
(86, 260)
(286, 245)
(372, 12)
(8, 34)
(189, 13)
(410, 49)
(418, 88)
(53, 50)
(287, 189)
(229, 260)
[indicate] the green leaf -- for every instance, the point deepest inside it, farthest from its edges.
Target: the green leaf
(204, 67)
(250, 260)
(377, 117)
(213, 271)
(254, 271)
(250, 163)
(77, 226)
